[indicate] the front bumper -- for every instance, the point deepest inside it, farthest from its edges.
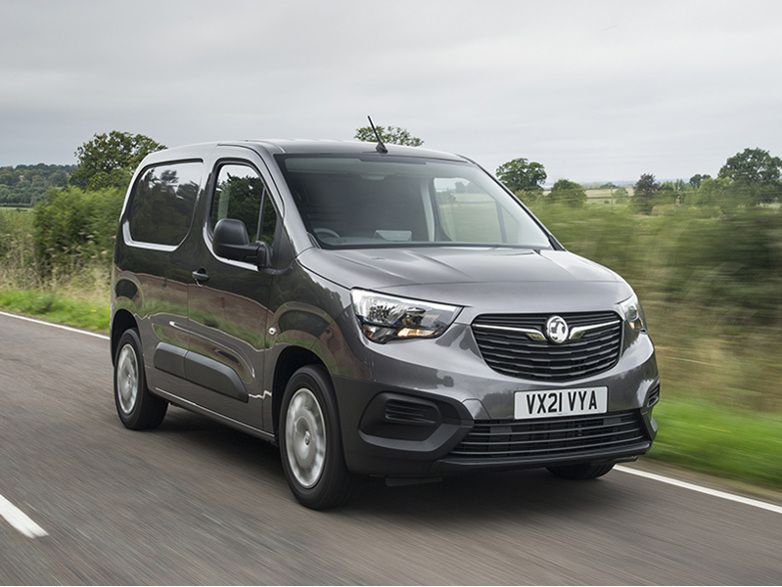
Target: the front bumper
(411, 420)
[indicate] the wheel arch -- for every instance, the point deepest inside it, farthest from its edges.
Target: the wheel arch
(123, 320)
(290, 360)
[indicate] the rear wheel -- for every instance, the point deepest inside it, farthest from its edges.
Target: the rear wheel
(310, 441)
(138, 408)
(582, 471)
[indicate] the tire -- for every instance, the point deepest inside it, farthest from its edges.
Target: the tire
(138, 408)
(311, 442)
(581, 472)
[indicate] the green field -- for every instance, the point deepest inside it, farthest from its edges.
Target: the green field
(604, 196)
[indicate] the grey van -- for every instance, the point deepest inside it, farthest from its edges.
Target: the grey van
(391, 312)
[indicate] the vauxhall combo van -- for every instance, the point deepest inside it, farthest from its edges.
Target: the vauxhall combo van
(373, 311)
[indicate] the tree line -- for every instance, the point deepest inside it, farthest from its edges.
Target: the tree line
(24, 185)
(750, 178)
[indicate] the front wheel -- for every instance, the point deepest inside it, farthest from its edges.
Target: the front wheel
(310, 441)
(138, 408)
(581, 472)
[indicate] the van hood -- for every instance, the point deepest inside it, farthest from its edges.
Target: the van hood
(500, 278)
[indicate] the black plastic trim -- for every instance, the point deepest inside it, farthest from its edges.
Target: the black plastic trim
(200, 370)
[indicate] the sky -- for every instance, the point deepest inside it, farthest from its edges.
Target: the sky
(596, 90)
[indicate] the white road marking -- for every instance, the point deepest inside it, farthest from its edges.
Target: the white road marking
(68, 328)
(713, 492)
(19, 520)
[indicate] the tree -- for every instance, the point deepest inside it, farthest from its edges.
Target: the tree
(71, 226)
(520, 175)
(108, 160)
(644, 192)
(668, 193)
(568, 193)
(713, 192)
(391, 135)
(755, 175)
(697, 179)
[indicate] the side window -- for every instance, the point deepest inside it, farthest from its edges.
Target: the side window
(163, 202)
(241, 193)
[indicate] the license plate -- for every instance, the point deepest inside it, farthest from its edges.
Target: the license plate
(560, 402)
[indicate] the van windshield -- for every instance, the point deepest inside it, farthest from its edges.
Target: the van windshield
(405, 201)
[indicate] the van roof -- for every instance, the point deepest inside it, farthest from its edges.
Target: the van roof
(310, 147)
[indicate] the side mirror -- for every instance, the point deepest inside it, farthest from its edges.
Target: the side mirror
(231, 241)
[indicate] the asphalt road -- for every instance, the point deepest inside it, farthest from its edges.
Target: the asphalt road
(197, 503)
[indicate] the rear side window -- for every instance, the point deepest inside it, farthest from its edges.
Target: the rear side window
(163, 202)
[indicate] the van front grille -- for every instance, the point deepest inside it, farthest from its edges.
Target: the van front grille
(509, 345)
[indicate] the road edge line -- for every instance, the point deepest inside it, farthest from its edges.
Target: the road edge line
(692, 487)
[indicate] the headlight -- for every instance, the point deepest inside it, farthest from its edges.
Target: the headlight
(633, 314)
(385, 318)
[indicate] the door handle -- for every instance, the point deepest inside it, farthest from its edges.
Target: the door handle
(200, 276)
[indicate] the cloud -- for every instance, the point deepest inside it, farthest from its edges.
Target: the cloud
(594, 91)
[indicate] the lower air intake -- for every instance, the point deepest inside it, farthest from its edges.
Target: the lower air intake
(539, 440)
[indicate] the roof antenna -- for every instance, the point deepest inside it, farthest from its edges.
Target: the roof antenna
(381, 148)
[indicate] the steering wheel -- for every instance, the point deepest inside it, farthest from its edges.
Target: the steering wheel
(326, 232)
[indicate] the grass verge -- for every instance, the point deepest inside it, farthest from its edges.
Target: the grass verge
(54, 307)
(715, 439)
